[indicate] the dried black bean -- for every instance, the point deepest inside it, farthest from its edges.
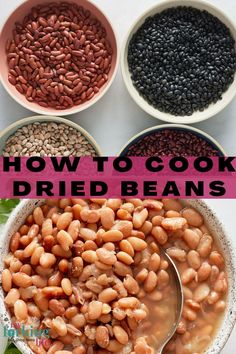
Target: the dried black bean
(182, 60)
(171, 142)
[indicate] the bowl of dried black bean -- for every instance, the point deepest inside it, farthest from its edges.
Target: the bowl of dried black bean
(172, 140)
(179, 61)
(46, 136)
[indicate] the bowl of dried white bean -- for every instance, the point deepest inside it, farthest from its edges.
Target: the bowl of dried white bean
(58, 57)
(47, 136)
(87, 276)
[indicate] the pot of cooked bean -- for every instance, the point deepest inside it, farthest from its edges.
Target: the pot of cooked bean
(88, 276)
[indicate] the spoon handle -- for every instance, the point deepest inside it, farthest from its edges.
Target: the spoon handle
(160, 350)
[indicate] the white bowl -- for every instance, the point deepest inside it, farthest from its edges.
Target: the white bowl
(26, 207)
(187, 128)
(197, 116)
(11, 129)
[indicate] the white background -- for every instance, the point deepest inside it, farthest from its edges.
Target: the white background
(116, 118)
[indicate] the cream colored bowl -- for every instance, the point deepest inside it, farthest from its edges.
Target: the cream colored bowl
(198, 116)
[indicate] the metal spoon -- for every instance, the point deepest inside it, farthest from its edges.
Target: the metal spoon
(180, 299)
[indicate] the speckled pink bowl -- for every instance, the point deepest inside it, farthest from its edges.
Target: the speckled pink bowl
(218, 342)
(6, 33)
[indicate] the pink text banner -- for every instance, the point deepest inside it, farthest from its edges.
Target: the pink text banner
(154, 177)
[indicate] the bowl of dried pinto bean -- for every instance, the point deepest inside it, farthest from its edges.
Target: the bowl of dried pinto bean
(89, 276)
(57, 58)
(46, 136)
(172, 140)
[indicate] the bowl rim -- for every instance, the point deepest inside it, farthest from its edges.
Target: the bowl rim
(195, 203)
(34, 119)
(75, 109)
(138, 99)
(157, 128)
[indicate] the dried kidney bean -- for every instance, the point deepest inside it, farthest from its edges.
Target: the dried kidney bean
(59, 56)
(171, 142)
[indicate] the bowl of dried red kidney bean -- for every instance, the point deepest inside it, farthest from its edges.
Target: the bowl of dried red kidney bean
(179, 61)
(91, 273)
(57, 58)
(172, 140)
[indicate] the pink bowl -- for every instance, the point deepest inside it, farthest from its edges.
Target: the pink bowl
(6, 33)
